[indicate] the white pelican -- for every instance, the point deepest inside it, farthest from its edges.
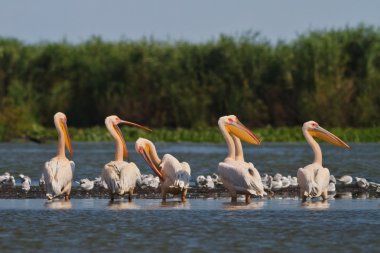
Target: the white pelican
(174, 176)
(58, 172)
(238, 176)
(314, 179)
(120, 176)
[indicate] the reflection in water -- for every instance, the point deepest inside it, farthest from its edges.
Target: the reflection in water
(175, 204)
(122, 205)
(344, 195)
(363, 195)
(243, 206)
(58, 204)
(316, 205)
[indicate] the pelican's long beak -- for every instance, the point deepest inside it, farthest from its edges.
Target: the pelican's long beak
(239, 130)
(135, 125)
(118, 131)
(325, 135)
(67, 137)
(145, 152)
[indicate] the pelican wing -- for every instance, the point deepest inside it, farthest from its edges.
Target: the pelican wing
(129, 175)
(322, 178)
(111, 177)
(241, 177)
(313, 180)
(58, 174)
(178, 174)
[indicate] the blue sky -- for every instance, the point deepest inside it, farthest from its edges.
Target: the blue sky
(192, 20)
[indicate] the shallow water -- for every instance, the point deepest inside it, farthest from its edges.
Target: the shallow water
(277, 225)
(361, 160)
(200, 225)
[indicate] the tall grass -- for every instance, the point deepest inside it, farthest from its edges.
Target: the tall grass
(331, 76)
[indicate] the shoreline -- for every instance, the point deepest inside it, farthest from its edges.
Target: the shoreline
(193, 193)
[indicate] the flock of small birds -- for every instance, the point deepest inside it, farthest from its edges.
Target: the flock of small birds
(271, 183)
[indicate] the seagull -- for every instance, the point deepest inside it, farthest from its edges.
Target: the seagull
(4, 178)
(42, 181)
(346, 179)
(361, 182)
(26, 182)
(7, 180)
(293, 181)
(285, 182)
(86, 184)
(332, 179)
(331, 187)
(276, 184)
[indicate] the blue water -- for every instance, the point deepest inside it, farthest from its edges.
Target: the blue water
(361, 160)
(200, 225)
(277, 225)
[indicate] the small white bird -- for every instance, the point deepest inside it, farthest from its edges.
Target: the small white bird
(331, 187)
(4, 178)
(7, 180)
(277, 177)
(346, 179)
(361, 182)
(276, 184)
(216, 179)
(293, 181)
(332, 179)
(210, 183)
(86, 184)
(285, 182)
(42, 181)
(26, 182)
(149, 181)
(205, 182)
(98, 182)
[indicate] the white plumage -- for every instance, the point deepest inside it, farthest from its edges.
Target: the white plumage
(58, 175)
(174, 175)
(241, 178)
(121, 177)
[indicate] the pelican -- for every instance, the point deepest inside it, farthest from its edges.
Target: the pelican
(120, 176)
(314, 178)
(58, 172)
(238, 176)
(174, 176)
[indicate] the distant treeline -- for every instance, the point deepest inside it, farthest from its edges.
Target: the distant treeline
(331, 76)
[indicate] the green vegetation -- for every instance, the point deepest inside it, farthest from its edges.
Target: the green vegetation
(331, 76)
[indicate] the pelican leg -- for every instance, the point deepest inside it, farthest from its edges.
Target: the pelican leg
(324, 195)
(247, 198)
(67, 191)
(163, 194)
(183, 196)
(130, 195)
(302, 195)
(112, 197)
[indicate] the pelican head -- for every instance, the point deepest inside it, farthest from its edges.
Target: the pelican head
(60, 122)
(147, 150)
(236, 128)
(315, 130)
(112, 123)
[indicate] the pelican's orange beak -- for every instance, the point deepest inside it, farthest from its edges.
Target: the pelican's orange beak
(66, 136)
(325, 135)
(144, 150)
(240, 131)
